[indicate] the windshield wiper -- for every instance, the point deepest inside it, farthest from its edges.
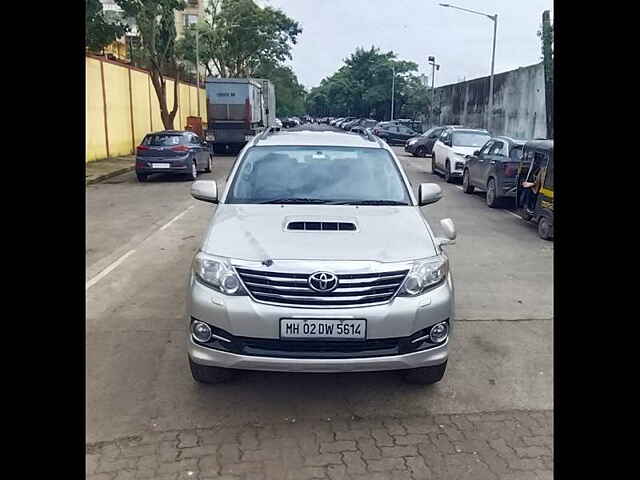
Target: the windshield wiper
(295, 200)
(368, 202)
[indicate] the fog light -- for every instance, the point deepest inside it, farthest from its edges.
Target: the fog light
(439, 332)
(201, 331)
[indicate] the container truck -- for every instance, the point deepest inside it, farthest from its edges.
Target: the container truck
(237, 110)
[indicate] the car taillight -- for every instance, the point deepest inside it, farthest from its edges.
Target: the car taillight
(510, 170)
(142, 148)
(180, 148)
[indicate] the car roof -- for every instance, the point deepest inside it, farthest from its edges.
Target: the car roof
(472, 130)
(170, 132)
(540, 144)
(516, 141)
(315, 138)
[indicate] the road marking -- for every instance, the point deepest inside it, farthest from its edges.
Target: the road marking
(107, 270)
(175, 218)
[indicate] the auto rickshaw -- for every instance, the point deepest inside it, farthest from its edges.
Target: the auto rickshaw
(537, 164)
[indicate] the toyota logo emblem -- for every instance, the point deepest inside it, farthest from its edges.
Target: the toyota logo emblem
(323, 281)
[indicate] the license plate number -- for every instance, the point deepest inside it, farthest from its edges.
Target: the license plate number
(161, 165)
(320, 328)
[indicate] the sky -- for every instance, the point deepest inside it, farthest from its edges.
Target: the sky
(415, 30)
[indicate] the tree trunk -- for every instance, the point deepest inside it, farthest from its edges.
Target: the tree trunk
(160, 86)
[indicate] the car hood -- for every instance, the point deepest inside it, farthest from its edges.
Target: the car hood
(257, 233)
(465, 150)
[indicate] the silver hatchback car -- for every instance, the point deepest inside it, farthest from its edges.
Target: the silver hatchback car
(319, 259)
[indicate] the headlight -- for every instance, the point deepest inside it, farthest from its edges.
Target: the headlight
(217, 273)
(424, 274)
(411, 142)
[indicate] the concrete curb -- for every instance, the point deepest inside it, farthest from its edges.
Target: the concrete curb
(105, 176)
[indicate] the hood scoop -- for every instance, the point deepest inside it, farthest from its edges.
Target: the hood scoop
(320, 225)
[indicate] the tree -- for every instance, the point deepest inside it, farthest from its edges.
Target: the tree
(236, 37)
(290, 95)
(156, 24)
(100, 30)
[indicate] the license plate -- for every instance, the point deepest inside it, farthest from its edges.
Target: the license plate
(161, 165)
(323, 328)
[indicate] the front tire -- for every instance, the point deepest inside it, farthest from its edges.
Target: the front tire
(141, 177)
(447, 173)
(433, 164)
(421, 152)
(425, 375)
(466, 185)
(210, 375)
(209, 164)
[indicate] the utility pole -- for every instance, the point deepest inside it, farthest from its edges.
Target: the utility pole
(197, 70)
(547, 55)
(393, 80)
(434, 67)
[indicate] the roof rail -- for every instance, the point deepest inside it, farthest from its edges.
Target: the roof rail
(264, 134)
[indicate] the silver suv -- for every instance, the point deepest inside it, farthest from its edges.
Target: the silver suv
(319, 259)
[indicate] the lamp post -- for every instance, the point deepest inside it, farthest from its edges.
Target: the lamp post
(434, 67)
(393, 79)
(493, 55)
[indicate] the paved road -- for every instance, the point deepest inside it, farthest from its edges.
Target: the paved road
(145, 415)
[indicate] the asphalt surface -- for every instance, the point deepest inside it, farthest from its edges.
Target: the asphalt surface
(141, 238)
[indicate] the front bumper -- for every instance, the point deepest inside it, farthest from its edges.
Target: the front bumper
(241, 316)
(216, 358)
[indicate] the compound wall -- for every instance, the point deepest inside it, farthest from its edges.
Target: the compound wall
(518, 103)
(122, 107)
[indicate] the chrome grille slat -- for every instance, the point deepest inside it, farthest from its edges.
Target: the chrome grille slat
(354, 289)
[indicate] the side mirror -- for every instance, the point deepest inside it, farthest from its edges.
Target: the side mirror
(476, 153)
(205, 190)
(449, 231)
(429, 193)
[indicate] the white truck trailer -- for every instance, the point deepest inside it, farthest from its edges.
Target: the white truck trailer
(237, 110)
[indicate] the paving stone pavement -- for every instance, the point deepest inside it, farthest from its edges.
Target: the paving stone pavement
(515, 445)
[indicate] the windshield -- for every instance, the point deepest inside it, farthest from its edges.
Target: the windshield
(516, 153)
(162, 140)
(295, 174)
(469, 139)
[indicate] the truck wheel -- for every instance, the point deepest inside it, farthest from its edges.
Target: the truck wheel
(545, 229)
(141, 177)
(209, 164)
(425, 375)
(492, 199)
(466, 186)
(447, 173)
(210, 375)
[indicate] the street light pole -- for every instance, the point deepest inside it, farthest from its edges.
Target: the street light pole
(197, 70)
(393, 79)
(494, 18)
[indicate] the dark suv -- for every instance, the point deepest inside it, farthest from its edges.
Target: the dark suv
(393, 134)
(494, 168)
(172, 151)
(423, 145)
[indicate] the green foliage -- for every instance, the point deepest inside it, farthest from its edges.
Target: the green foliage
(156, 24)
(362, 87)
(289, 93)
(236, 37)
(101, 30)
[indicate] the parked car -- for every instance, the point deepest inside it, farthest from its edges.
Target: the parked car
(335, 120)
(494, 168)
(394, 134)
(451, 149)
(363, 124)
(172, 151)
(352, 123)
(343, 122)
(422, 145)
(317, 287)
(278, 124)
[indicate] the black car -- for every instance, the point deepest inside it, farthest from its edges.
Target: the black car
(363, 124)
(423, 145)
(494, 168)
(393, 134)
(172, 151)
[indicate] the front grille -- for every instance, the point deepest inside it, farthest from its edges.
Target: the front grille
(293, 288)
